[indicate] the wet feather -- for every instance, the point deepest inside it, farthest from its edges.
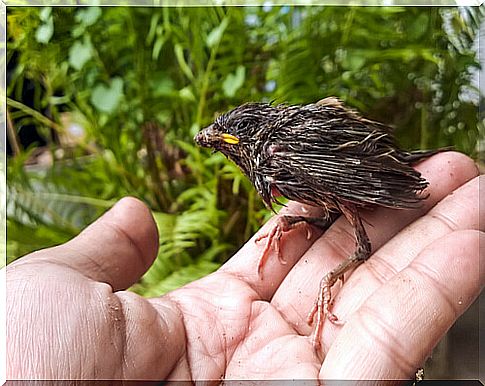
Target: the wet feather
(318, 154)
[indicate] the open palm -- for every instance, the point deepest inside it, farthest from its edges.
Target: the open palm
(70, 318)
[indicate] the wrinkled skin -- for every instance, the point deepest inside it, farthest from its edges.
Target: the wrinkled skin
(69, 316)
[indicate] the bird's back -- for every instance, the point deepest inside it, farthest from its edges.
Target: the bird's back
(325, 152)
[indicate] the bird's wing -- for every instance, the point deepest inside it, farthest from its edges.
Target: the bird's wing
(378, 179)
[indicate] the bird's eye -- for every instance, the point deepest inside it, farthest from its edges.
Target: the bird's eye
(230, 139)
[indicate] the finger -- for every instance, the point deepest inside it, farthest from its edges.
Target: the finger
(116, 249)
(398, 326)
(458, 211)
(293, 245)
(445, 172)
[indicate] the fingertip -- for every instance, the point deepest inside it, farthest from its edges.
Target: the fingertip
(456, 164)
(135, 218)
(445, 172)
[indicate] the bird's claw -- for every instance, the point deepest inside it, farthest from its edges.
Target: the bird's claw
(274, 238)
(321, 308)
(283, 225)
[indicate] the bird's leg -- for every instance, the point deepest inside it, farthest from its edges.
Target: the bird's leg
(285, 224)
(321, 308)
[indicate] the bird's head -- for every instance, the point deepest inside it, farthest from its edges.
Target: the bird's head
(242, 135)
(238, 133)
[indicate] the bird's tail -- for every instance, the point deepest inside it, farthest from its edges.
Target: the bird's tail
(412, 157)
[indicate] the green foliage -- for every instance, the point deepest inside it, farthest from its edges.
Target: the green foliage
(234, 82)
(142, 81)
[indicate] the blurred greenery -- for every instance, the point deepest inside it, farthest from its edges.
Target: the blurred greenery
(118, 94)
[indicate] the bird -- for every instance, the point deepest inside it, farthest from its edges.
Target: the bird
(325, 155)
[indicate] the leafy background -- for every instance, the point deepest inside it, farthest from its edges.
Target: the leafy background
(104, 102)
(115, 96)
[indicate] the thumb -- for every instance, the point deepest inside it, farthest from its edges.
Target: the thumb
(116, 249)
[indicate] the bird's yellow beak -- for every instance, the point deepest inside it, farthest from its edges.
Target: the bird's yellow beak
(229, 138)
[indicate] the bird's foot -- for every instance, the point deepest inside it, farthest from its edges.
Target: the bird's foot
(321, 309)
(283, 224)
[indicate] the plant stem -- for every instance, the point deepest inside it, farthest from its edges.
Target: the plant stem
(249, 221)
(205, 82)
(77, 199)
(35, 114)
(12, 136)
(424, 127)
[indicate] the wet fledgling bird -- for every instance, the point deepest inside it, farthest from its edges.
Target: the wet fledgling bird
(324, 155)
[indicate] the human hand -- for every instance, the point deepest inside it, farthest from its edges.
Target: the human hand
(70, 318)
